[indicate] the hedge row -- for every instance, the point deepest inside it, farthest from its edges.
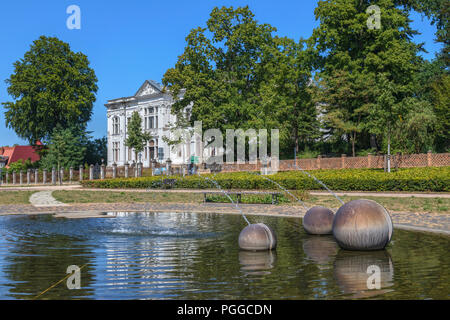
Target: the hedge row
(410, 179)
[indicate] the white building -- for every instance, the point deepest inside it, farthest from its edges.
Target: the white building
(154, 107)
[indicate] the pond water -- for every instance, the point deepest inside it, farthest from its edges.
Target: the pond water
(196, 256)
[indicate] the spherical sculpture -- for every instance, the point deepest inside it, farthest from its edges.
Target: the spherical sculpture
(257, 237)
(318, 220)
(362, 225)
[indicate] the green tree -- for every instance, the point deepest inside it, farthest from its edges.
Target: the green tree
(345, 100)
(51, 86)
(387, 56)
(66, 148)
(221, 71)
(441, 104)
(136, 137)
(286, 95)
(21, 165)
(96, 150)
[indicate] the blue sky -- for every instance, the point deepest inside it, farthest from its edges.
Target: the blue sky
(130, 41)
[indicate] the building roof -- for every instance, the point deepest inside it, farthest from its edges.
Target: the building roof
(19, 152)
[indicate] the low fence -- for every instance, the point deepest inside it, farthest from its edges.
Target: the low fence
(37, 176)
(370, 161)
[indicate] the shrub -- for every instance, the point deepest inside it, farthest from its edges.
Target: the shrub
(410, 179)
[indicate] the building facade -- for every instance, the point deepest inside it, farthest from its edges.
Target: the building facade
(154, 107)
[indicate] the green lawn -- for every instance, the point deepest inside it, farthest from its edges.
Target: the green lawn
(439, 205)
(75, 196)
(15, 197)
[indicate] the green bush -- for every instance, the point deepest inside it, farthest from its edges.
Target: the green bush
(410, 179)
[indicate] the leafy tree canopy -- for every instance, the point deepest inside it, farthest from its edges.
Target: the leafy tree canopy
(51, 85)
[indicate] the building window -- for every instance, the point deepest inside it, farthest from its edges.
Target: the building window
(116, 151)
(116, 125)
(129, 154)
(152, 122)
(160, 154)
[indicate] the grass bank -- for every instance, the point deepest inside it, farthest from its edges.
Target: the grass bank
(437, 205)
(15, 197)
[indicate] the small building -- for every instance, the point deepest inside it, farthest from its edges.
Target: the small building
(9, 155)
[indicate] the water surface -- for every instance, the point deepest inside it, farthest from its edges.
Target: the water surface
(196, 256)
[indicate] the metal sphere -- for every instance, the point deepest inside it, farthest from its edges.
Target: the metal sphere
(257, 237)
(362, 225)
(318, 220)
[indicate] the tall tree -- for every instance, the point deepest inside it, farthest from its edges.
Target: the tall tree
(386, 55)
(137, 138)
(51, 85)
(221, 71)
(345, 100)
(286, 94)
(66, 148)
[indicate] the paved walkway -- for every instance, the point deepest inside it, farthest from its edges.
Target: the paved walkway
(44, 199)
(429, 222)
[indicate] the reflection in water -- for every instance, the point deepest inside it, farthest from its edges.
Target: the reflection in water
(352, 270)
(320, 249)
(257, 262)
(38, 259)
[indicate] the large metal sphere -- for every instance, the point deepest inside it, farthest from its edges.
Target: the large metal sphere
(257, 237)
(318, 220)
(362, 225)
(363, 274)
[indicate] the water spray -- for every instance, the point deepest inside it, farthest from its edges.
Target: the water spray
(284, 189)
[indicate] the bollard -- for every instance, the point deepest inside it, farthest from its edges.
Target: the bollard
(81, 172)
(53, 176)
(114, 170)
(61, 175)
(102, 172)
(126, 170)
(136, 170)
(140, 164)
(91, 172)
(44, 176)
(14, 177)
(36, 176)
(168, 166)
(28, 176)
(21, 177)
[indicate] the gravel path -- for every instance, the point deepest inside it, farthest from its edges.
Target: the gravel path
(44, 199)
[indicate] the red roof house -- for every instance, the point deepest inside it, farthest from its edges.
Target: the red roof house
(13, 154)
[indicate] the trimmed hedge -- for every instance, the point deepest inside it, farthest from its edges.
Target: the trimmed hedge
(410, 179)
